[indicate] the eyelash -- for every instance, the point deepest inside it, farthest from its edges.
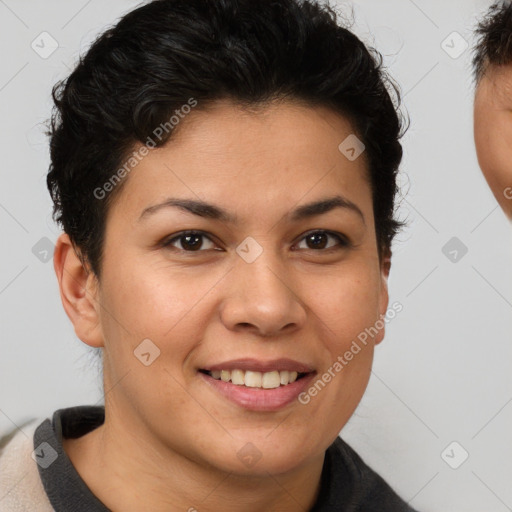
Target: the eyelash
(343, 242)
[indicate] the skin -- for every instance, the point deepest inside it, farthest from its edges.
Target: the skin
(169, 441)
(493, 132)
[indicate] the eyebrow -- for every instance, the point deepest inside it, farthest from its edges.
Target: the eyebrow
(211, 211)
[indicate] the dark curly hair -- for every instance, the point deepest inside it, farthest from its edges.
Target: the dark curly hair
(494, 39)
(160, 55)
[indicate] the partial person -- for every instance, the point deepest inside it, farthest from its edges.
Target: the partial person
(492, 64)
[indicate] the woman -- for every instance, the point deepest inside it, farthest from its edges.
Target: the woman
(492, 61)
(224, 173)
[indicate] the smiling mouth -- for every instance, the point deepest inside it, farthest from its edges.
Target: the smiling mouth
(252, 379)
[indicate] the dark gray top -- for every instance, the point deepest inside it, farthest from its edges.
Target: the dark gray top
(347, 484)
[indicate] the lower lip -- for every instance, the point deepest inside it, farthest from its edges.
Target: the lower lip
(259, 399)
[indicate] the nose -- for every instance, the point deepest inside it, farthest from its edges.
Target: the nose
(262, 297)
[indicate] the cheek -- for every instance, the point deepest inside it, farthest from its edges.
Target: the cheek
(347, 311)
(493, 141)
(346, 320)
(350, 299)
(156, 304)
(353, 313)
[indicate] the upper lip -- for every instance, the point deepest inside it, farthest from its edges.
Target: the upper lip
(257, 365)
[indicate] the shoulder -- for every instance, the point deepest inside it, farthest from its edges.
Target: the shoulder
(20, 483)
(369, 491)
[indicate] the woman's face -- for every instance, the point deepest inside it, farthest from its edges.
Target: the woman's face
(493, 132)
(259, 289)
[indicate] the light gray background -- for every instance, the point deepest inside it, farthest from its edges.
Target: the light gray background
(443, 372)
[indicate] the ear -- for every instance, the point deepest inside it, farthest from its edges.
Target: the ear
(385, 267)
(79, 292)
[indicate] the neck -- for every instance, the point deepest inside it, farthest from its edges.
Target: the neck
(128, 474)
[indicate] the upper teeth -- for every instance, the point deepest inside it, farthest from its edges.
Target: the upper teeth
(252, 379)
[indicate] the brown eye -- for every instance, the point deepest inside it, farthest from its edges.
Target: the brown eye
(318, 240)
(190, 241)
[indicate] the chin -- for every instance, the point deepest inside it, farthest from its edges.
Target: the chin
(256, 459)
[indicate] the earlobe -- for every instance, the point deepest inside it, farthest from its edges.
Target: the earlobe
(78, 291)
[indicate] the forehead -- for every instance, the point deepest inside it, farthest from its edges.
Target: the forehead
(250, 161)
